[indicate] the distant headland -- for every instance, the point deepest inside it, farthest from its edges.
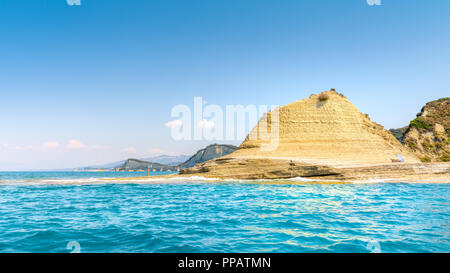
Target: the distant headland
(164, 163)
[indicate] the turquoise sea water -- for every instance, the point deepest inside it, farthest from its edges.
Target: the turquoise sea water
(44, 212)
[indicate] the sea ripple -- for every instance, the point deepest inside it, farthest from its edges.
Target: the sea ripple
(225, 217)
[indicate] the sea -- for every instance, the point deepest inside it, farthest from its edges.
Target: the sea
(97, 212)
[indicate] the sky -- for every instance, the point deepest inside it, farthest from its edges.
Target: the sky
(95, 83)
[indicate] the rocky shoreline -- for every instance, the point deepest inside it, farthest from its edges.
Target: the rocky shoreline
(254, 169)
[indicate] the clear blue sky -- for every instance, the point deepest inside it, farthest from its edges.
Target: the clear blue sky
(106, 74)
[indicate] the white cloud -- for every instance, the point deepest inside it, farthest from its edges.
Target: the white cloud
(75, 144)
(130, 150)
(204, 123)
(51, 144)
(174, 123)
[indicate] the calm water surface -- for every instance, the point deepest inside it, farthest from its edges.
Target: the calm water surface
(43, 212)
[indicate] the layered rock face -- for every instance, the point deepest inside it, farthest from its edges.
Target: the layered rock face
(323, 129)
(429, 134)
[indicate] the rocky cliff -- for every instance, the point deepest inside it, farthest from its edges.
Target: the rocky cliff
(428, 135)
(211, 152)
(140, 165)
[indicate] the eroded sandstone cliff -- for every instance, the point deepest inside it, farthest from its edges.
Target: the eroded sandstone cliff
(324, 129)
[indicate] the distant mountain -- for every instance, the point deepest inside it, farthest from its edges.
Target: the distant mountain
(172, 160)
(172, 163)
(165, 162)
(211, 152)
(104, 166)
(161, 159)
(141, 165)
(107, 166)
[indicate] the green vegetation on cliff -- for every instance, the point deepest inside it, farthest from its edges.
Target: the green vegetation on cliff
(420, 123)
(428, 134)
(399, 133)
